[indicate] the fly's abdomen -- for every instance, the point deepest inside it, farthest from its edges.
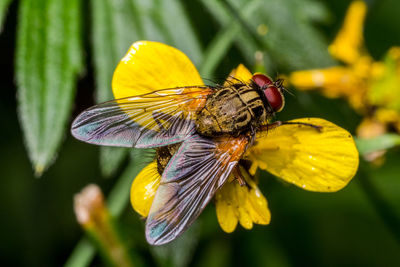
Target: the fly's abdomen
(230, 110)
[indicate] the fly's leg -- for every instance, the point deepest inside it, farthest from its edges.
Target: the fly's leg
(238, 175)
(316, 127)
(251, 136)
(280, 123)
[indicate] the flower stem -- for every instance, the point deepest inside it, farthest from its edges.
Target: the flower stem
(93, 215)
(84, 251)
(82, 255)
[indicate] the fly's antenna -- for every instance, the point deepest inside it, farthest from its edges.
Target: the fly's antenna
(288, 91)
(279, 83)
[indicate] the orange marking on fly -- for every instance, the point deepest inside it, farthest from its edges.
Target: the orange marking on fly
(199, 101)
(235, 147)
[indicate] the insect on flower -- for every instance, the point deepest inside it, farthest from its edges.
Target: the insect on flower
(204, 135)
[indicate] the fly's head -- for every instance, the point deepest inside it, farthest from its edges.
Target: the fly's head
(272, 91)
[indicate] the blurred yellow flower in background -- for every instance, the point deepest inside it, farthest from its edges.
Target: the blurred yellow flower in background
(371, 87)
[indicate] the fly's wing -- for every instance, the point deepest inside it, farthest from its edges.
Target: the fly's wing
(160, 118)
(188, 183)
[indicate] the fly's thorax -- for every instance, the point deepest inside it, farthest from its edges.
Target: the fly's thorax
(231, 110)
(163, 156)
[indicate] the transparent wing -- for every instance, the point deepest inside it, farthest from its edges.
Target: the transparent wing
(160, 118)
(188, 183)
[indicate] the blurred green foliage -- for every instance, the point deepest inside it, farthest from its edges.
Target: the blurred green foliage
(58, 50)
(3, 10)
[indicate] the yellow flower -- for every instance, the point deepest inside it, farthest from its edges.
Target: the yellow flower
(323, 161)
(144, 188)
(372, 88)
(244, 204)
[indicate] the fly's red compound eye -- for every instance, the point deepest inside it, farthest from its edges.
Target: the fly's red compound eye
(261, 80)
(274, 97)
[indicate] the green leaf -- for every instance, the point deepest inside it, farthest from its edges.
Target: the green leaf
(48, 62)
(382, 142)
(313, 11)
(119, 23)
(280, 40)
(178, 28)
(82, 255)
(113, 32)
(224, 39)
(111, 158)
(3, 10)
(291, 39)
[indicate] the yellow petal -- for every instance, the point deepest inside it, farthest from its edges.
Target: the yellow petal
(244, 218)
(240, 73)
(388, 116)
(349, 41)
(245, 204)
(144, 188)
(334, 82)
(149, 66)
(225, 203)
(317, 161)
(258, 209)
(256, 203)
(318, 78)
(242, 207)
